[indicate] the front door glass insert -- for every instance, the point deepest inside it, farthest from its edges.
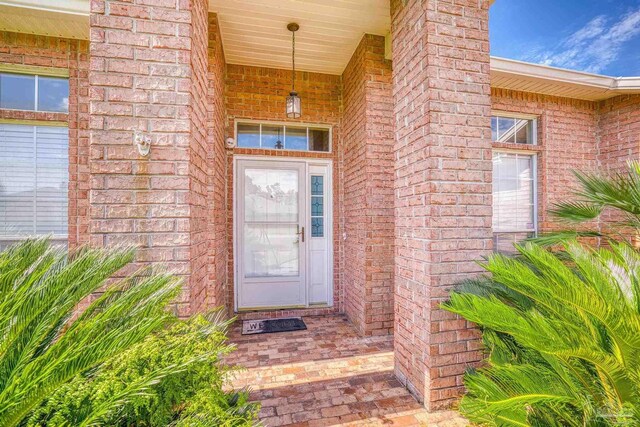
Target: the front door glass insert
(271, 223)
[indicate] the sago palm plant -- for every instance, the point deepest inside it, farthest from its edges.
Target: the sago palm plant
(42, 344)
(562, 329)
(563, 335)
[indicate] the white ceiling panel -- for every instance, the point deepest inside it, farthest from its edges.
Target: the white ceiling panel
(254, 32)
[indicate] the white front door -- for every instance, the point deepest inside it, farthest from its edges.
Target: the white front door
(276, 248)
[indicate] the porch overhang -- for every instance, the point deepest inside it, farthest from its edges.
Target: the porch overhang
(254, 33)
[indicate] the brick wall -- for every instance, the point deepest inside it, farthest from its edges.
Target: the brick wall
(143, 66)
(217, 194)
(368, 188)
(259, 93)
(566, 142)
(619, 132)
(619, 142)
(443, 166)
(71, 55)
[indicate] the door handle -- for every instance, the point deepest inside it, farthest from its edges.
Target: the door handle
(301, 233)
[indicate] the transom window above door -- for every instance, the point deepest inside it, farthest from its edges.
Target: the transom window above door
(283, 136)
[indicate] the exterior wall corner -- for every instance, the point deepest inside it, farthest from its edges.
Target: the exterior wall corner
(443, 174)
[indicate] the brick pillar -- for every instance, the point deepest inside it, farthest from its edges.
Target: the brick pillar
(443, 185)
(217, 156)
(368, 185)
(148, 65)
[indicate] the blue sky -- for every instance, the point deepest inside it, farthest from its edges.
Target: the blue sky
(598, 36)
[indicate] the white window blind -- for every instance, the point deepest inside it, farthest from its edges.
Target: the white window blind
(33, 181)
(514, 200)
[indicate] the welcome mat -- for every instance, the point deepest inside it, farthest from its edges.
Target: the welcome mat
(251, 327)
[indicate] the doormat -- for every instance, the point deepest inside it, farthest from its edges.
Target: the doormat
(251, 327)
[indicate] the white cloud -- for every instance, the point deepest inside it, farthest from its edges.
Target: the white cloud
(593, 47)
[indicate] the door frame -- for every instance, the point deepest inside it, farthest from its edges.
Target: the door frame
(328, 163)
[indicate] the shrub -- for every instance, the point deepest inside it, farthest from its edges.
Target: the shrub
(42, 347)
(125, 360)
(189, 394)
(563, 335)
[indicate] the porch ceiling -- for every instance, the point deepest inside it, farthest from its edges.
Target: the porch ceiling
(254, 32)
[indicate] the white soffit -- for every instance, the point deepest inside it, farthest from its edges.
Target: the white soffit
(254, 32)
(527, 77)
(56, 18)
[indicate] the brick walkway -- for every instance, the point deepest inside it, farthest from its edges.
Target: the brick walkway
(328, 376)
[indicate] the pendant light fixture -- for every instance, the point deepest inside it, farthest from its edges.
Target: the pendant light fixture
(294, 107)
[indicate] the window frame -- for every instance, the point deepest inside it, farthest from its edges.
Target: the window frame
(36, 72)
(522, 116)
(308, 126)
(38, 121)
(534, 178)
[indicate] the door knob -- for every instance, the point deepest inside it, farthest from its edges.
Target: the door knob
(301, 233)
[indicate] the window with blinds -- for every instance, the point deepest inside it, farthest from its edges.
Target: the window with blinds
(514, 199)
(33, 181)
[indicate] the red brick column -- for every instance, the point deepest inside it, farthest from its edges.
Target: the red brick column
(217, 157)
(148, 74)
(367, 153)
(443, 185)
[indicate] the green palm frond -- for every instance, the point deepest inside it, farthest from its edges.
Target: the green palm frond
(576, 211)
(620, 190)
(563, 338)
(560, 237)
(41, 345)
(618, 193)
(502, 395)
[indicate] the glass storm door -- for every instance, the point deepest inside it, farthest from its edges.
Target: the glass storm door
(271, 216)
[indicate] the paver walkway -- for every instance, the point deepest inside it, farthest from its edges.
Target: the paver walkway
(328, 376)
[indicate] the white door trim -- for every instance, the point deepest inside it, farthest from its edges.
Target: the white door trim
(328, 163)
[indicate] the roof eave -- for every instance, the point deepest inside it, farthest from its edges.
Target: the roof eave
(592, 87)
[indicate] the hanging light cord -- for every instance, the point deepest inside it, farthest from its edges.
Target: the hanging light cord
(293, 60)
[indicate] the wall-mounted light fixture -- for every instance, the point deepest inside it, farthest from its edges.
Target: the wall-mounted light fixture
(294, 106)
